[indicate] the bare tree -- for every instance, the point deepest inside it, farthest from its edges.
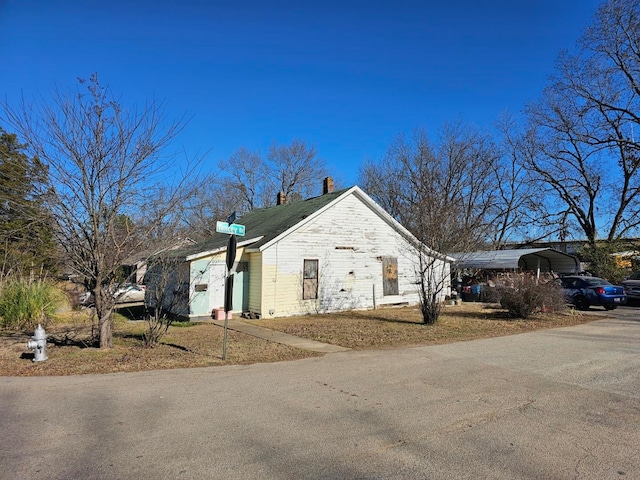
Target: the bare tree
(166, 293)
(105, 164)
(443, 193)
(212, 199)
(518, 201)
(166, 283)
(582, 135)
(434, 277)
(247, 177)
(252, 180)
(294, 169)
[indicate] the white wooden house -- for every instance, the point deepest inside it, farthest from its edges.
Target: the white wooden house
(337, 251)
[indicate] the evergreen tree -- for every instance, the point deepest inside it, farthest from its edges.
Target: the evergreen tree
(26, 241)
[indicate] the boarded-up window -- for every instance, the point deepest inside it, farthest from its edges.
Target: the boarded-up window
(389, 276)
(310, 280)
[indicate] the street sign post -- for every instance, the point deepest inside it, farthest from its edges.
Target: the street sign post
(232, 229)
(228, 286)
(233, 217)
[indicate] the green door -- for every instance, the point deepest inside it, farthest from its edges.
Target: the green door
(241, 288)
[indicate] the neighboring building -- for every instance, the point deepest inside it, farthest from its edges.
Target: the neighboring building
(134, 268)
(334, 252)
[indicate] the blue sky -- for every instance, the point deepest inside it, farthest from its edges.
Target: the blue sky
(347, 76)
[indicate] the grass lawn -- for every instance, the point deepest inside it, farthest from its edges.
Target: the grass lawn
(200, 344)
(400, 327)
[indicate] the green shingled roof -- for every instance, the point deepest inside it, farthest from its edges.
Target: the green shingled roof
(267, 223)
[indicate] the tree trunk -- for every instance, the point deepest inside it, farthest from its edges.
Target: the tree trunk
(104, 311)
(106, 332)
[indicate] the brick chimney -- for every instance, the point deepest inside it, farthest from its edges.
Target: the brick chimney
(327, 185)
(281, 199)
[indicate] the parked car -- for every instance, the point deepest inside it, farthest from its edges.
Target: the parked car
(584, 292)
(85, 299)
(129, 292)
(123, 293)
(631, 286)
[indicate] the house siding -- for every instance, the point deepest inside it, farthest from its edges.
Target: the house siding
(349, 241)
(174, 281)
(359, 251)
(199, 272)
(208, 271)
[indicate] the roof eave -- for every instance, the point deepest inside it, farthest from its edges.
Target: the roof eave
(215, 251)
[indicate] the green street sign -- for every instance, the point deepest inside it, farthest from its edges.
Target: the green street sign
(233, 229)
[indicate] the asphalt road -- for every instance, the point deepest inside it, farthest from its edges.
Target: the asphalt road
(554, 404)
(631, 311)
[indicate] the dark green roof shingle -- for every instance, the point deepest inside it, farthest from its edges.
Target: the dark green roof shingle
(268, 222)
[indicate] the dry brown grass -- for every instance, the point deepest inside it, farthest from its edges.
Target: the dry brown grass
(398, 327)
(200, 345)
(196, 345)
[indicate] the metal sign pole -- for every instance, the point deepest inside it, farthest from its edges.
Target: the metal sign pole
(228, 306)
(228, 290)
(224, 336)
(232, 229)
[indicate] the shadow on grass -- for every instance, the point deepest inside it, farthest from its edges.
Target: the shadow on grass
(133, 313)
(179, 347)
(139, 337)
(66, 340)
(487, 313)
(373, 315)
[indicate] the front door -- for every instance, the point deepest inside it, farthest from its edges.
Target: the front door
(241, 288)
(217, 276)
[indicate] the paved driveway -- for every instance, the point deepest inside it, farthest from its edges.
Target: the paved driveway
(561, 403)
(630, 312)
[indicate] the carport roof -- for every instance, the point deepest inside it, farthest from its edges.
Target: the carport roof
(547, 259)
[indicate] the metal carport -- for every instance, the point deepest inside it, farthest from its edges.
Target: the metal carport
(526, 259)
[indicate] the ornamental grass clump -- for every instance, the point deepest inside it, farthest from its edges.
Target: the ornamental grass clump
(25, 304)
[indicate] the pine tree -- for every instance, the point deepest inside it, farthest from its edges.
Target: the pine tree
(26, 240)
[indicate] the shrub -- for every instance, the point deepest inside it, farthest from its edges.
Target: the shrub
(602, 263)
(529, 295)
(25, 304)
